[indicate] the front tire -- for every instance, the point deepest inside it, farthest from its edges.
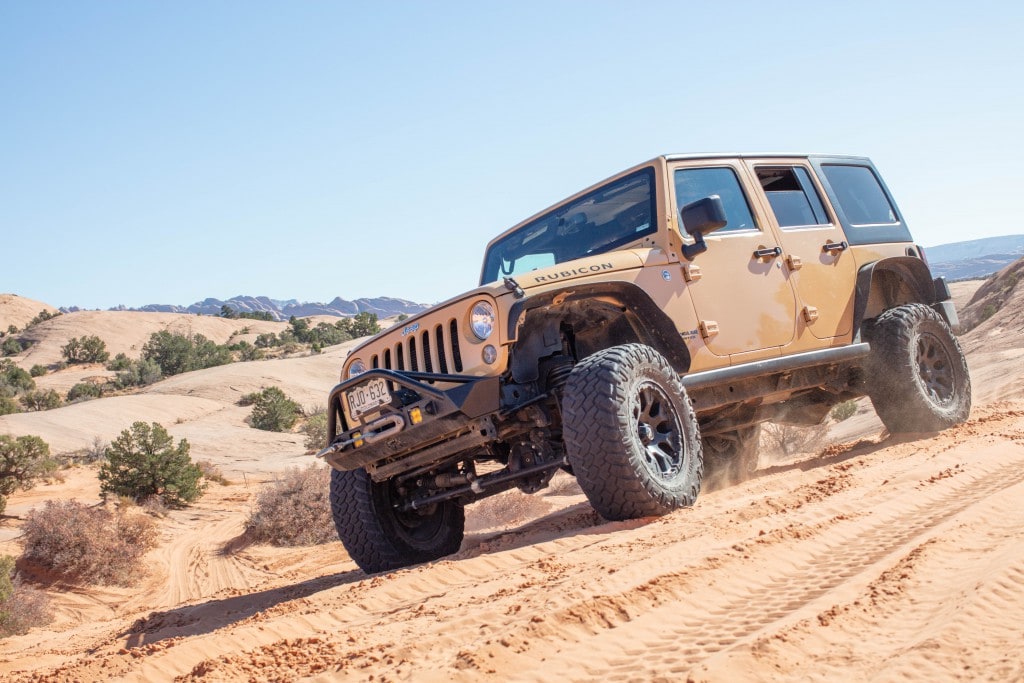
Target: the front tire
(631, 434)
(919, 380)
(379, 537)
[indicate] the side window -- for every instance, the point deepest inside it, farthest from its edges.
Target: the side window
(859, 195)
(697, 183)
(792, 196)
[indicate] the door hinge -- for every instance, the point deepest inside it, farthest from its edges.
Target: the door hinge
(708, 328)
(810, 314)
(794, 262)
(691, 272)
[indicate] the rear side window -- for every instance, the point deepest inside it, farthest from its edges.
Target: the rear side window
(693, 184)
(792, 196)
(860, 196)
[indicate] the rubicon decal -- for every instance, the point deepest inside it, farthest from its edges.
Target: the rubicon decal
(585, 270)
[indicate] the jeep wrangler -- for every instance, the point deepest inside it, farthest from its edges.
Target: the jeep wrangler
(636, 335)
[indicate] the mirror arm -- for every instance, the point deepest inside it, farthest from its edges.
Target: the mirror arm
(698, 247)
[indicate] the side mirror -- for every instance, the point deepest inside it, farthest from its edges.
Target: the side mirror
(704, 215)
(699, 217)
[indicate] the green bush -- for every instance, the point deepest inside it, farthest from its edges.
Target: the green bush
(247, 352)
(294, 510)
(90, 349)
(315, 430)
(41, 399)
(43, 316)
(14, 378)
(37, 370)
(178, 353)
(844, 411)
(120, 362)
(88, 544)
(138, 373)
(8, 406)
(23, 461)
(266, 340)
(84, 391)
(143, 462)
(273, 411)
(21, 607)
(11, 347)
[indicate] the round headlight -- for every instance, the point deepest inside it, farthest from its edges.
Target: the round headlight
(481, 320)
(358, 367)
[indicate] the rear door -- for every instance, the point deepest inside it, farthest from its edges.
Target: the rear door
(815, 248)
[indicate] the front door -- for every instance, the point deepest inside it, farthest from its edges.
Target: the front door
(739, 287)
(813, 243)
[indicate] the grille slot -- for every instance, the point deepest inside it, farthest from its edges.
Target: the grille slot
(413, 361)
(456, 353)
(428, 362)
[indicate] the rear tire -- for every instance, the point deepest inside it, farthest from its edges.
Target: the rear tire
(919, 380)
(730, 458)
(378, 537)
(631, 435)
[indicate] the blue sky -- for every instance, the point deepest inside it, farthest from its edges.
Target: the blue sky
(156, 152)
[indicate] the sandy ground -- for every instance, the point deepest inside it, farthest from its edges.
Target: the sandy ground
(881, 558)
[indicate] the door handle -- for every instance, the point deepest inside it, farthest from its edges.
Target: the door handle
(770, 252)
(829, 247)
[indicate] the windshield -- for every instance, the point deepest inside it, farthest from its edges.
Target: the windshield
(602, 220)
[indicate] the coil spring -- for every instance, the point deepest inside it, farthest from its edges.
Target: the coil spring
(559, 375)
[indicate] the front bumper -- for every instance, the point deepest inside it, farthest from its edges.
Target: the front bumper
(422, 424)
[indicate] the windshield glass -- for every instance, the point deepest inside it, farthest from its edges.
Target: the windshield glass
(602, 220)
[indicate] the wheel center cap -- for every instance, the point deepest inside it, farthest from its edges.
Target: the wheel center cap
(646, 433)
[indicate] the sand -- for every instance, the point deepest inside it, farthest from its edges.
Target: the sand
(880, 558)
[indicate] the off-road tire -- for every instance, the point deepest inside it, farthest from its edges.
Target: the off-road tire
(380, 538)
(730, 458)
(631, 434)
(918, 379)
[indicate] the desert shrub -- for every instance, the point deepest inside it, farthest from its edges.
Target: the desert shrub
(273, 411)
(12, 329)
(138, 373)
(247, 352)
(89, 349)
(248, 399)
(294, 510)
(315, 430)
(143, 461)
(364, 324)
(11, 347)
(844, 411)
(120, 362)
(14, 378)
(402, 317)
(21, 607)
(41, 399)
(23, 461)
(37, 370)
(84, 391)
(42, 317)
(266, 340)
(8, 406)
(212, 473)
(790, 439)
(88, 544)
(178, 353)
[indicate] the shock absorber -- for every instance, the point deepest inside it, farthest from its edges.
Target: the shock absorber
(558, 373)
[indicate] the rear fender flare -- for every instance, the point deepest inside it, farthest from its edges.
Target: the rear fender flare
(916, 285)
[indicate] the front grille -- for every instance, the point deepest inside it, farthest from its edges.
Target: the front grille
(428, 350)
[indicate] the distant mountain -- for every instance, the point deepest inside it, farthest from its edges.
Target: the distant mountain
(383, 306)
(974, 258)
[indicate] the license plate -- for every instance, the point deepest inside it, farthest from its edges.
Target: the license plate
(368, 396)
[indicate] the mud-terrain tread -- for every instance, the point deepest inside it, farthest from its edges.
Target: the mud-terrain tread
(363, 533)
(598, 436)
(892, 383)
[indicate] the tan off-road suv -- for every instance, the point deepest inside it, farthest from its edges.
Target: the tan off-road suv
(636, 335)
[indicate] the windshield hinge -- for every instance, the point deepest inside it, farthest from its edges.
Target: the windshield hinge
(514, 287)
